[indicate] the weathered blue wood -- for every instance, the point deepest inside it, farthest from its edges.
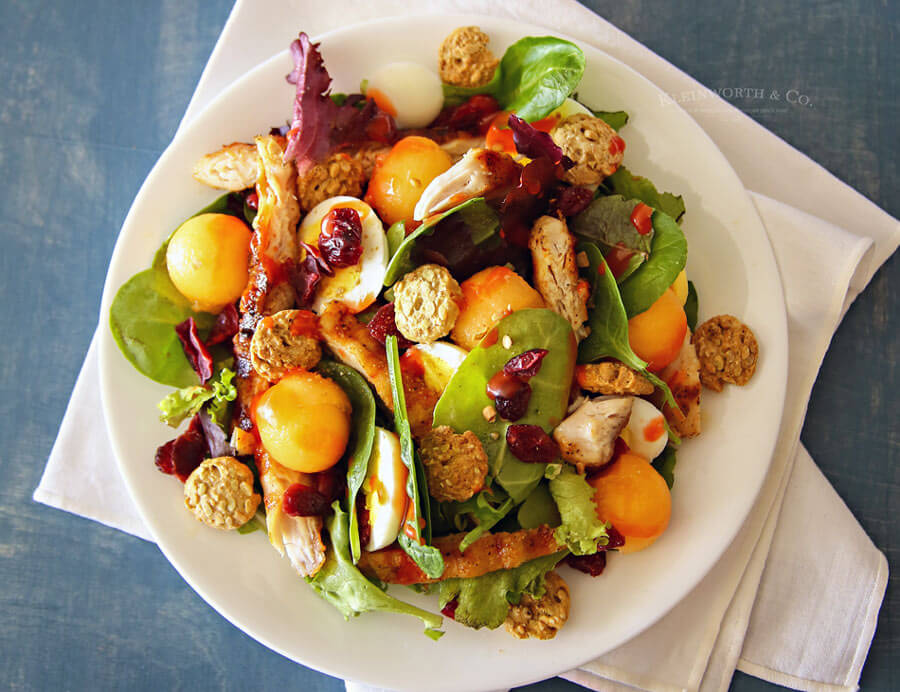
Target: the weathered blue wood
(91, 94)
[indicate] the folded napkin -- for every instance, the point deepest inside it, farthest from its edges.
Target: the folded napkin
(772, 606)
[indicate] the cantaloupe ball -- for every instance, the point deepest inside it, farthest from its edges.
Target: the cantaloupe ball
(656, 335)
(632, 495)
(304, 422)
(488, 297)
(402, 175)
(208, 259)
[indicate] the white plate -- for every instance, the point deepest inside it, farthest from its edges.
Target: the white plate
(718, 475)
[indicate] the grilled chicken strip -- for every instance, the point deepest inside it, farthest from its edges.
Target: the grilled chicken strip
(556, 273)
(683, 377)
(587, 438)
(480, 173)
(489, 553)
(233, 167)
(298, 538)
(351, 342)
(274, 250)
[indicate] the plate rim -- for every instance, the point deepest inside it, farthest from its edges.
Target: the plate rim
(776, 354)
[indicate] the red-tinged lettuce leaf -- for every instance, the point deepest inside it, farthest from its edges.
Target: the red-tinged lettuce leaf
(528, 200)
(197, 354)
(216, 440)
(533, 143)
(319, 124)
(225, 326)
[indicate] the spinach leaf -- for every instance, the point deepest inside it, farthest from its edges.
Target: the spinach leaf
(538, 509)
(362, 436)
(615, 119)
(427, 557)
(479, 220)
(668, 255)
(484, 601)
(622, 182)
(464, 399)
(608, 321)
(607, 220)
(535, 76)
(665, 465)
(396, 234)
(340, 583)
(691, 306)
(147, 307)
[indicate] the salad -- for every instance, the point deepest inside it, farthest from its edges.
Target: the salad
(433, 334)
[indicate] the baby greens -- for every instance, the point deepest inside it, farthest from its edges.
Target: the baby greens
(535, 76)
(622, 182)
(184, 403)
(484, 601)
(609, 322)
(486, 509)
(691, 306)
(607, 221)
(580, 531)
(665, 465)
(474, 215)
(668, 255)
(428, 558)
(340, 583)
(539, 508)
(615, 119)
(362, 403)
(147, 307)
(464, 400)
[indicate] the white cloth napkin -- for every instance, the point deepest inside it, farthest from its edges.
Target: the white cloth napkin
(776, 606)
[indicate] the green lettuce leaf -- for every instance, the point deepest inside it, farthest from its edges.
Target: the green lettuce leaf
(427, 557)
(340, 583)
(581, 531)
(535, 76)
(622, 182)
(359, 449)
(486, 509)
(615, 119)
(184, 403)
(484, 601)
(691, 306)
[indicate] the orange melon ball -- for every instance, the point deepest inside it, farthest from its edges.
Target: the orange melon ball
(656, 335)
(402, 175)
(208, 259)
(632, 495)
(304, 422)
(488, 297)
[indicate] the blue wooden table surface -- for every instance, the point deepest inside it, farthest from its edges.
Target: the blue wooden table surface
(92, 93)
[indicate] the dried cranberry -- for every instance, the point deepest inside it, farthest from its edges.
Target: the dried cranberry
(329, 484)
(383, 325)
(514, 407)
(362, 520)
(179, 457)
(225, 327)
(302, 501)
(251, 199)
(469, 115)
(589, 564)
(572, 200)
(616, 539)
(450, 609)
(529, 443)
(340, 241)
(526, 364)
(503, 385)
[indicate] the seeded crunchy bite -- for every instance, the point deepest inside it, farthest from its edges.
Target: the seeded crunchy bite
(455, 465)
(612, 377)
(727, 350)
(540, 618)
(339, 174)
(464, 58)
(426, 303)
(283, 342)
(587, 141)
(219, 493)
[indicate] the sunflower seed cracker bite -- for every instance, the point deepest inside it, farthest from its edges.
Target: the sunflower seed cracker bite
(727, 350)
(426, 303)
(542, 617)
(455, 465)
(283, 342)
(219, 493)
(464, 58)
(592, 145)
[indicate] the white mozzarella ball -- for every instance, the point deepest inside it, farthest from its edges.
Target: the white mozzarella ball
(409, 91)
(385, 490)
(646, 432)
(359, 285)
